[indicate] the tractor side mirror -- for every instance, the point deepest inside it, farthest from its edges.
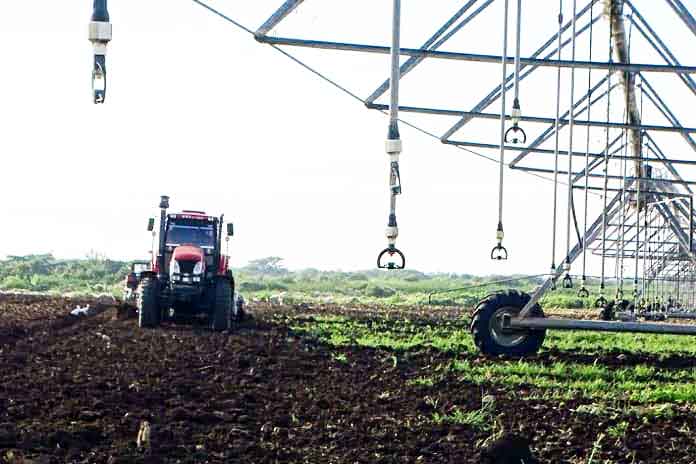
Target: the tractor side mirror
(230, 229)
(150, 224)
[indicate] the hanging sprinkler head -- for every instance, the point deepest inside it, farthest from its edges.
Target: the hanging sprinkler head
(583, 292)
(395, 258)
(100, 33)
(499, 252)
(516, 134)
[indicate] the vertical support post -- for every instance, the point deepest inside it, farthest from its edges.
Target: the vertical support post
(164, 204)
(499, 252)
(571, 131)
(691, 224)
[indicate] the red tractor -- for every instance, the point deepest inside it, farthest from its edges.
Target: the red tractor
(189, 275)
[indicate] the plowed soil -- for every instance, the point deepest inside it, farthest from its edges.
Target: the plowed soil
(78, 390)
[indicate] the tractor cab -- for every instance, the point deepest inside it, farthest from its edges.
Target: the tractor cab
(190, 247)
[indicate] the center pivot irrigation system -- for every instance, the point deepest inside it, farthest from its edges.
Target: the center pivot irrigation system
(645, 226)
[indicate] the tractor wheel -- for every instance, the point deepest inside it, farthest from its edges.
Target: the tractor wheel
(222, 307)
(487, 325)
(608, 312)
(148, 303)
(239, 311)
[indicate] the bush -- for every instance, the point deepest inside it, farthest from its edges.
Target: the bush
(380, 292)
(14, 283)
(277, 286)
(252, 286)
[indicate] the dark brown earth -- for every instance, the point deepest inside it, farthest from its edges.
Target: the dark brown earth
(78, 389)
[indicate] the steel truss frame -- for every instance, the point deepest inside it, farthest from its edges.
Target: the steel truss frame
(648, 217)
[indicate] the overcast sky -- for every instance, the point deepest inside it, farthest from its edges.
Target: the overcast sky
(198, 110)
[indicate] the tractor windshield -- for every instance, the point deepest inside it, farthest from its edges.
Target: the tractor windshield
(189, 233)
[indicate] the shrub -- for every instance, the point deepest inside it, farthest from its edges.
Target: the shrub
(380, 292)
(14, 283)
(252, 286)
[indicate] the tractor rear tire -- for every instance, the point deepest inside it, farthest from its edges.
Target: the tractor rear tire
(148, 303)
(486, 326)
(222, 307)
(239, 311)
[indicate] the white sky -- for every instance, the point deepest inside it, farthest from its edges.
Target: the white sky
(198, 110)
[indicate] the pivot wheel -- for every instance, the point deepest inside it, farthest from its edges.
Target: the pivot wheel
(148, 303)
(222, 306)
(487, 325)
(608, 312)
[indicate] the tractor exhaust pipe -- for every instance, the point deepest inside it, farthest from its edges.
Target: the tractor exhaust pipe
(164, 204)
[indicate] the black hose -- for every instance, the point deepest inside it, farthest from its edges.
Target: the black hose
(575, 218)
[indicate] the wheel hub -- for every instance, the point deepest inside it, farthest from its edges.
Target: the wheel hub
(505, 337)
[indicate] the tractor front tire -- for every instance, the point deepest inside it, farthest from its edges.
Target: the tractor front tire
(222, 307)
(148, 303)
(487, 329)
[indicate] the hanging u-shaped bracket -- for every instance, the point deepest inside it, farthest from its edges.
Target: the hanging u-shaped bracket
(100, 34)
(391, 258)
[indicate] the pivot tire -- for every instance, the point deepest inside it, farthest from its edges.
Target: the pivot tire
(608, 312)
(148, 303)
(487, 325)
(222, 306)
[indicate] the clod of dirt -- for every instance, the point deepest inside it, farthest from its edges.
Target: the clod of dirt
(143, 440)
(508, 449)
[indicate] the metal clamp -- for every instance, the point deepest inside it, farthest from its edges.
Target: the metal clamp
(100, 34)
(395, 186)
(583, 292)
(391, 251)
(567, 281)
(99, 79)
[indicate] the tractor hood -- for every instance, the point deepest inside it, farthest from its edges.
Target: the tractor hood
(188, 253)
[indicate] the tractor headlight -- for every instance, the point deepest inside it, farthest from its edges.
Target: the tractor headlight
(198, 268)
(174, 267)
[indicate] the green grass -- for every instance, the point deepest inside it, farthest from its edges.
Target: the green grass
(643, 383)
(618, 430)
(482, 419)
(453, 336)
(421, 381)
